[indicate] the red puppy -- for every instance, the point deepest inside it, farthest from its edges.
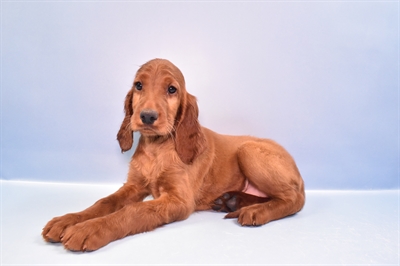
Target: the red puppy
(185, 167)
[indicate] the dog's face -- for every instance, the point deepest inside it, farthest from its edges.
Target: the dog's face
(159, 105)
(157, 93)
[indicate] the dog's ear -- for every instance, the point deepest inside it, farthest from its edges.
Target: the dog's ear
(125, 133)
(190, 141)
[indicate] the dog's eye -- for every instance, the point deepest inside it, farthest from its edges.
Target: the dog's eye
(171, 89)
(138, 86)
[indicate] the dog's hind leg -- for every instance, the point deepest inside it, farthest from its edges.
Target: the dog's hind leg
(271, 171)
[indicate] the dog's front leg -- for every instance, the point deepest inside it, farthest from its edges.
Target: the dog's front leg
(55, 228)
(131, 219)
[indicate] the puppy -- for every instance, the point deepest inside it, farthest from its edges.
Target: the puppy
(185, 167)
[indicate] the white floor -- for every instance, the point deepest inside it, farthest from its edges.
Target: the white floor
(335, 227)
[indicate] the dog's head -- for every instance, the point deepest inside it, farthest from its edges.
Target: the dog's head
(159, 105)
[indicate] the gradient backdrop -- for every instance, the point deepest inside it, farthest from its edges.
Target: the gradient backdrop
(319, 77)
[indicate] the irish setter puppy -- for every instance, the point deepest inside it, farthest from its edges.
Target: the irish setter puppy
(185, 167)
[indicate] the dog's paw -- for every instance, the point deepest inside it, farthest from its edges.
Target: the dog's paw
(56, 227)
(254, 215)
(228, 202)
(86, 236)
(235, 200)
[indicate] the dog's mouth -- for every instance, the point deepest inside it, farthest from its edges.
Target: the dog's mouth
(148, 130)
(152, 131)
(159, 128)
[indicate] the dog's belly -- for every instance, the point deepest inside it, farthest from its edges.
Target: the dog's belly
(250, 189)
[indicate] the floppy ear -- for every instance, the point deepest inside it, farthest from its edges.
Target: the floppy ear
(125, 133)
(190, 141)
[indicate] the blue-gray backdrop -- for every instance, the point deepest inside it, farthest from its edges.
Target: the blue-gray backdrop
(320, 77)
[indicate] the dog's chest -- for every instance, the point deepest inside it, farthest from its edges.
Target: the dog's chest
(152, 161)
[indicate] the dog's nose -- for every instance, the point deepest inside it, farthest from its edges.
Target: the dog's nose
(148, 116)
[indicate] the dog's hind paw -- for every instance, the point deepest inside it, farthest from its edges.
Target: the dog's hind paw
(234, 200)
(226, 203)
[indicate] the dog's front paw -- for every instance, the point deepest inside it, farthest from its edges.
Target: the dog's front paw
(86, 236)
(56, 227)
